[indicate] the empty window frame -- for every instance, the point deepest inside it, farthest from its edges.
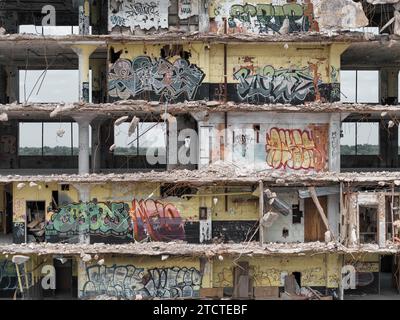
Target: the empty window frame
(368, 221)
(51, 86)
(359, 86)
(148, 135)
(49, 139)
(360, 138)
(50, 30)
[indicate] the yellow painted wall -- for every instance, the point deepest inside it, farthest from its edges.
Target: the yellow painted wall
(211, 61)
(317, 270)
(199, 54)
(363, 262)
(296, 56)
(116, 192)
(240, 207)
(42, 192)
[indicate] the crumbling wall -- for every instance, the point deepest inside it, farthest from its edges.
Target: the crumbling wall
(281, 17)
(145, 15)
(367, 268)
(159, 72)
(316, 271)
(284, 74)
(175, 73)
(277, 143)
(283, 229)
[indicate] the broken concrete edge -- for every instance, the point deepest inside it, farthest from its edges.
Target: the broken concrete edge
(194, 250)
(219, 174)
(176, 36)
(58, 109)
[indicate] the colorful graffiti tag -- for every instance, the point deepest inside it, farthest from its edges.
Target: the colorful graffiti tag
(147, 219)
(128, 281)
(100, 219)
(157, 221)
(145, 14)
(297, 149)
(144, 74)
(267, 18)
(276, 85)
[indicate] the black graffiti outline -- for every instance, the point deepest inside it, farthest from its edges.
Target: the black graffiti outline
(169, 80)
(155, 283)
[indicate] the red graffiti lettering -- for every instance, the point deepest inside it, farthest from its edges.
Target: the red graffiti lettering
(157, 221)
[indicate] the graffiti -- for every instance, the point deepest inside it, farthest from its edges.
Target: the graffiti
(166, 79)
(19, 232)
(91, 218)
(297, 149)
(129, 281)
(236, 231)
(276, 85)
(188, 8)
(205, 231)
(157, 221)
(269, 18)
(145, 14)
(9, 277)
(148, 219)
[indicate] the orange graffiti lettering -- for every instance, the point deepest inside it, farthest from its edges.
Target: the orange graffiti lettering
(296, 149)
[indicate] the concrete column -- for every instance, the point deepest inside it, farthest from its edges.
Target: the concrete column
(388, 139)
(388, 89)
(84, 196)
(84, 17)
(84, 147)
(84, 51)
(334, 214)
(96, 145)
(334, 142)
(172, 142)
(382, 221)
(97, 66)
(13, 93)
(204, 20)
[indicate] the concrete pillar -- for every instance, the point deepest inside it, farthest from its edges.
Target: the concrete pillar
(172, 145)
(95, 16)
(389, 82)
(84, 147)
(84, 17)
(382, 221)
(334, 214)
(334, 142)
(96, 145)
(388, 145)
(13, 93)
(84, 51)
(97, 66)
(204, 20)
(84, 196)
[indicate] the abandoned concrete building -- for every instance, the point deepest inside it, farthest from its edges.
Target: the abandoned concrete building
(199, 149)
